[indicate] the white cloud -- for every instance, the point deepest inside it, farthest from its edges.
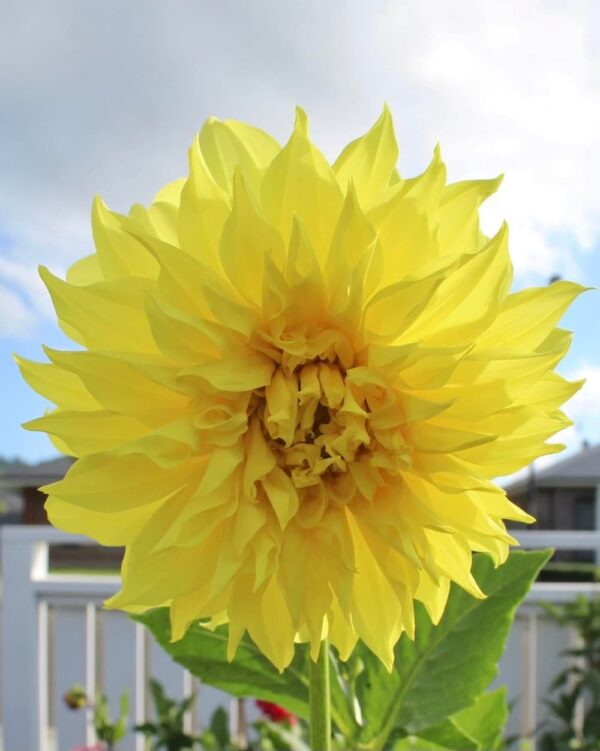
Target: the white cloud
(16, 318)
(584, 407)
(27, 281)
(510, 87)
(105, 98)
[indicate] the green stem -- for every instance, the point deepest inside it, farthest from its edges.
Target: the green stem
(320, 703)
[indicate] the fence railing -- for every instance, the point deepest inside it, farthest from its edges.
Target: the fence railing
(55, 633)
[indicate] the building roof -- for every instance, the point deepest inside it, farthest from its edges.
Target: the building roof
(576, 471)
(34, 475)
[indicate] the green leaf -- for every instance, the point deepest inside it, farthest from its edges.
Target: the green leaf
(282, 738)
(480, 727)
(413, 743)
(161, 703)
(184, 706)
(448, 735)
(219, 725)
(485, 720)
(439, 674)
(147, 728)
(448, 665)
(250, 674)
(120, 727)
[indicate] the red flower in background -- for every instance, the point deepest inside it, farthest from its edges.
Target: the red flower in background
(275, 713)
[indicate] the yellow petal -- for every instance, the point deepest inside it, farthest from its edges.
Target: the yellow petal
(114, 529)
(96, 312)
(119, 254)
(282, 495)
(247, 238)
(203, 211)
(58, 385)
(376, 614)
(527, 317)
(352, 240)
(229, 145)
(277, 644)
(105, 483)
(122, 387)
(406, 222)
(244, 372)
(459, 215)
(90, 431)
(466, 302)
(369, 161)
(453, 558)
(299, 180)
(85, 271)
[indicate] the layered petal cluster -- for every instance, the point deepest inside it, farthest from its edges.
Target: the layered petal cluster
(294, 384)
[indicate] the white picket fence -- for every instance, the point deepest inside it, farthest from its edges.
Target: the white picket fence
(55, 634)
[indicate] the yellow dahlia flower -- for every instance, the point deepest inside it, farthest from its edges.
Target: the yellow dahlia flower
(295, 382)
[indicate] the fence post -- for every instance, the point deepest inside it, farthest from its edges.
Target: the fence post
(23, 557)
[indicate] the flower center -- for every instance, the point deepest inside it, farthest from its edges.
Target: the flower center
(324, 424)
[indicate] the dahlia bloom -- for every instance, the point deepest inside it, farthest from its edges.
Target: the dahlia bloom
(296, 381)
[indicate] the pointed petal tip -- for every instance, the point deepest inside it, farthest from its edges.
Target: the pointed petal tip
(232, 649)
(437, 161)
(215, 124)
(46, 276)
(99, 209)
(30, 425)
(577, 385)
(195, 150)
(388, 662)
(385, 118)
(301, 122)
(315, 649)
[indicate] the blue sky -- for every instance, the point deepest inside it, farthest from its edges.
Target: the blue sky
(105, 98)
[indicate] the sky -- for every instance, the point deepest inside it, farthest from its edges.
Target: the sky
(104, 98)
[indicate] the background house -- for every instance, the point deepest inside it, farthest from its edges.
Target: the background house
(23, 502)
(564, 495)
